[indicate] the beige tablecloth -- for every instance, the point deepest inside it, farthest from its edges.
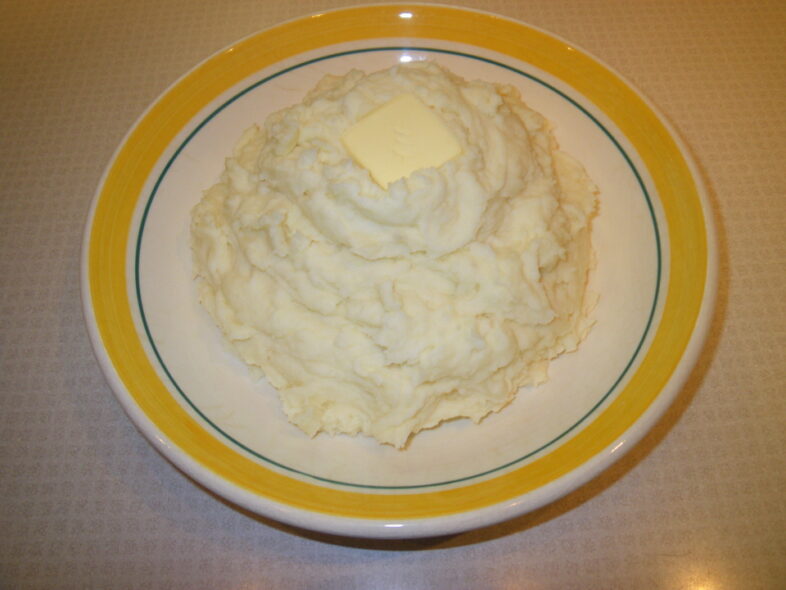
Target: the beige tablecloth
(85, 501)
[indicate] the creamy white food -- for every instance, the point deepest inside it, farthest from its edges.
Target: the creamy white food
(387, 310)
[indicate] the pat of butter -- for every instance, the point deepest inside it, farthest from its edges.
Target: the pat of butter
(401, 136)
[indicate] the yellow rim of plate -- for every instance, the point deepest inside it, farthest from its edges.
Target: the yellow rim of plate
(125, 179)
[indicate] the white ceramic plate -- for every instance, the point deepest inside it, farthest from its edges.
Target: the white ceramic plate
(167, 363)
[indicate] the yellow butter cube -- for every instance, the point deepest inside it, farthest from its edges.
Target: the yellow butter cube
(401, 136)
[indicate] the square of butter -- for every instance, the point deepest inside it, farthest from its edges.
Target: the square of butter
(401, 136)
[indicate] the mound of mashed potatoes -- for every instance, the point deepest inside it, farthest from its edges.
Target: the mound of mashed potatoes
(387, 310)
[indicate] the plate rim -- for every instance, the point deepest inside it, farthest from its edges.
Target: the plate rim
(428, 525)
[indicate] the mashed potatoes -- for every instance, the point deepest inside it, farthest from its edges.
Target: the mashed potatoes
(385, 311)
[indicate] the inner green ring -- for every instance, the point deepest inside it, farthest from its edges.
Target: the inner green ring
(617, 381)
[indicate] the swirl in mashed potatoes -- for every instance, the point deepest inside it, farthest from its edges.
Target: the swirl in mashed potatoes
(385, 311)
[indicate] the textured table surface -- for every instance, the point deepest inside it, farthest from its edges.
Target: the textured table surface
(85, 501)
